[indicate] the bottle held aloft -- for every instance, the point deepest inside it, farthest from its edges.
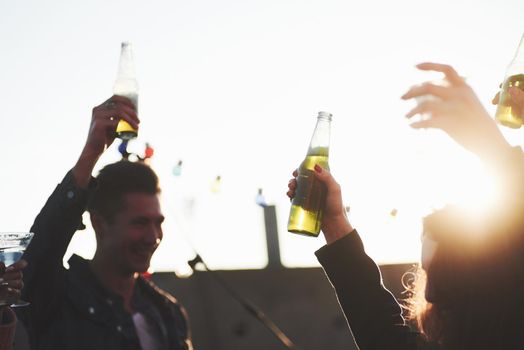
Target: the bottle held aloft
(307, 206)
(509, 114)
(126, 85)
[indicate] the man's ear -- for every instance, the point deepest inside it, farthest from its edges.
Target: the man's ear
(99, 225)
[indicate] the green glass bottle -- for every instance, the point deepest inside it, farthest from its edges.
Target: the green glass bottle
(507, 113)
(307, 206)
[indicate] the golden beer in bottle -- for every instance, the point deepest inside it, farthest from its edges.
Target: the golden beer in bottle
(126, 85)
(509, 114)
(307, 206)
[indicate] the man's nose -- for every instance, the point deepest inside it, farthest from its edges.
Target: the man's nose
(153, 236)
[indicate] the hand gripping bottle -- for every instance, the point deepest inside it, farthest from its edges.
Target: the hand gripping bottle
(508, 113)
(307, 206)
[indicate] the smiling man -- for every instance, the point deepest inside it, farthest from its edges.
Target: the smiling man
(102, 303)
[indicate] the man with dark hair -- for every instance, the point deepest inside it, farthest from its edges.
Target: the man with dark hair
(101, 303)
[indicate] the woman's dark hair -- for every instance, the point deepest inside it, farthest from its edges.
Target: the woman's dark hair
(116, 180)
(471, 296)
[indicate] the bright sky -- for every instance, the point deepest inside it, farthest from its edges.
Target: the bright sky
(233, 89)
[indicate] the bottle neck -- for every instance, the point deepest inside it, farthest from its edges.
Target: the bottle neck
(517, 64)
(126, 84)
(319, 144)
(126, 68)
(520, 49)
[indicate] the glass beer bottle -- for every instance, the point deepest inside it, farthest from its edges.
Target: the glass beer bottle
(507, 113)
(127, 86)
(307, 206)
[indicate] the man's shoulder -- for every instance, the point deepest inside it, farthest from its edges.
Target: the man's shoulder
(152, 289)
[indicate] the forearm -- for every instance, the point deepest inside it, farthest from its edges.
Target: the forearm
(371, 310)
(53, 228)
(84, 167)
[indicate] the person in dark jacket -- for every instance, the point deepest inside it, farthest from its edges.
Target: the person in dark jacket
(103, 303)
(472, 271)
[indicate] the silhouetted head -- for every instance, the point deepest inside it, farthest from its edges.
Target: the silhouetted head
(126, 215)
(474, 279)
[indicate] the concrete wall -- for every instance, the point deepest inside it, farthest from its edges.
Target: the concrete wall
(301, 302)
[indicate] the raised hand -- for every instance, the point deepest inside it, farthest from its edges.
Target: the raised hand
(11, 280)
(335, 223)
(101, 135)
(456, 110)
(517, 98)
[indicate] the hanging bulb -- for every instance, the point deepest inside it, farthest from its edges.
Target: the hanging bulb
(149, 151)
(177, 169)
(122, 148)
(215, 186)
(260, 199)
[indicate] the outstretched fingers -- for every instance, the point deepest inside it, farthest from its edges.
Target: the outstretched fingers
(450, 73)
(439, 91)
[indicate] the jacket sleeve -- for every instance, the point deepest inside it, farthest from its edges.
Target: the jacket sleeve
(374, 316)
(53, 229)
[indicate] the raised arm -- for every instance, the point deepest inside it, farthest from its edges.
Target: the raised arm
(101, 135)
(61, 216)
(456, 110)
(374, 316)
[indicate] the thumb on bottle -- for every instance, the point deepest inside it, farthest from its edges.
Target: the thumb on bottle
(517, 96)
(324, 176)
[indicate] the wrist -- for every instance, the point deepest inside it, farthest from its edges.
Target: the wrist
(84, 167)
(496, 152)
(337, 230)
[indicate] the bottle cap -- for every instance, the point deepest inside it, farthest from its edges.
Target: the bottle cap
(327, 115)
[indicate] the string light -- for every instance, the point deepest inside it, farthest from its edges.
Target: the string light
(260, 199)
(177, 169)
(122, 148)
(215, 186)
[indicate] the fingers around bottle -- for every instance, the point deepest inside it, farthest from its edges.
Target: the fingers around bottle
(116, 105)
(496, 98)
(14, 294)
(123, 100)
(131, 113)
(108, 118)
(450, 73)
(128, 118)
(15, 268)
(12, 284)
(517, 96)
(326, 178)
(13, 276)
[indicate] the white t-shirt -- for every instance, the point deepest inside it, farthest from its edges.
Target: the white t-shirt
(146, 332)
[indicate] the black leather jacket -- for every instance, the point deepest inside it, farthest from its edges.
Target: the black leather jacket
(69, 308)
